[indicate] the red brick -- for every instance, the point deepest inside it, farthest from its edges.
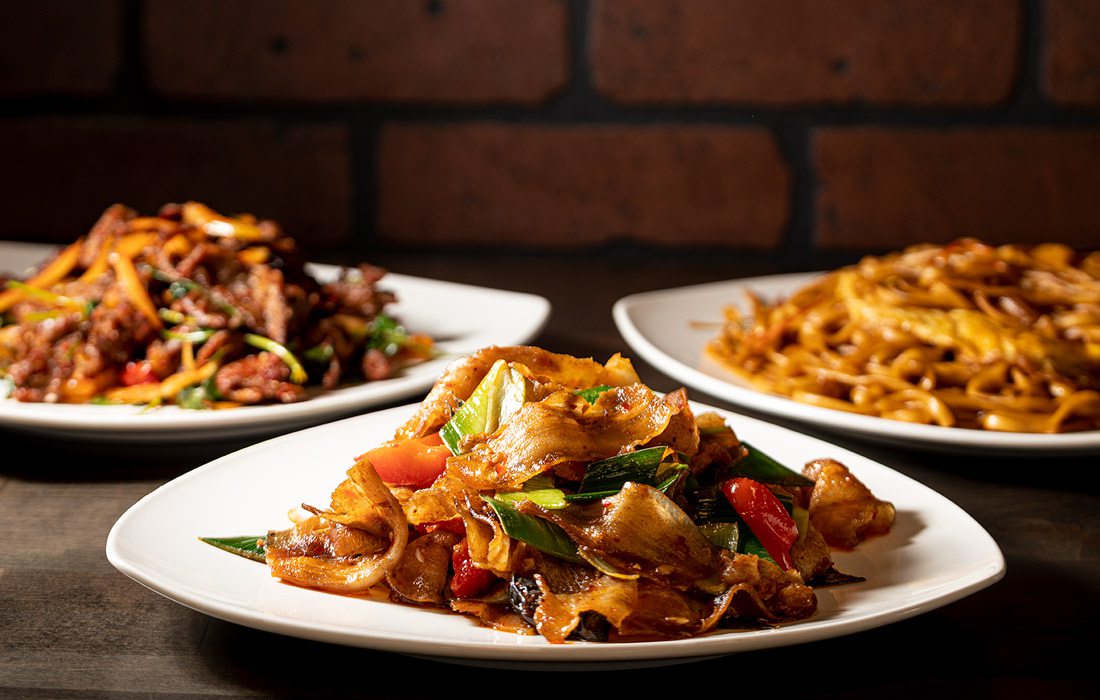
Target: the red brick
(60, 47)
(577, 186)
(884, 188)
(58, 174)
(1071, 70)
(451, 51)
(806, 51)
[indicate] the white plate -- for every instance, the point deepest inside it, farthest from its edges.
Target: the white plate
(935, 554)
(670, 329)
(463, 318)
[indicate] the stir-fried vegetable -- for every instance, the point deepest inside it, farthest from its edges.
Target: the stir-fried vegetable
(765, 515)
(416, 462)
(500, 394)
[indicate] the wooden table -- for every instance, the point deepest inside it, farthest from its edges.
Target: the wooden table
(72, 626)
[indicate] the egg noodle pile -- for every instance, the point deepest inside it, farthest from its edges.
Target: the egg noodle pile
(966, 335)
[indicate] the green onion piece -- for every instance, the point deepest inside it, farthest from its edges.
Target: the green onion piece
(387, 335)
(547, 498)
(712, 506)
(52, 298)
(646, 466)
(540, 534)
(319, 353)
(748, 544)
(592, 393)
(194, 337)
(540, 490)
(722, 535)
(198, 397)
(501, 392)
(7, 385)
(171, 316)
(801, 520)
(760, 467)
(297, 373)
(246, 546)
(179, 287)
(668, 475)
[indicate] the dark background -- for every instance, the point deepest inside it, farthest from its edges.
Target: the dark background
(795, 134)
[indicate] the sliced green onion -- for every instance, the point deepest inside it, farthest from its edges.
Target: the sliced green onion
(654, 466)
(387, 335)
(197, 398)
(500, 393)
(297, 373)
(547, 498)
(712, 506)
(319, 353)
(179, 287)
(172, 316)
(722, 535)
(760, 467)
(194, 337)
(43, 295)
(540, 534)
(748, 544)
(248, 547)
(538, 489)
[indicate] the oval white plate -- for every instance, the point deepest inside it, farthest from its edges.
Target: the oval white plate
(463, 318)
(670, 329)
(935, 554)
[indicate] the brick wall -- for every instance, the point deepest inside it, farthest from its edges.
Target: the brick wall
(807, 129)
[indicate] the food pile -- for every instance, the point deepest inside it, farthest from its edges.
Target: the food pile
(542, 493)
(194, 308)
(965, 335)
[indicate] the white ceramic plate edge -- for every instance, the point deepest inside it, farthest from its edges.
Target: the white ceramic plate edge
(983, 571)
(625, 313)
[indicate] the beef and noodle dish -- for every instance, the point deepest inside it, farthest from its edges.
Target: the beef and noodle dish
(194, 308)
(540, 493)
(965, 335)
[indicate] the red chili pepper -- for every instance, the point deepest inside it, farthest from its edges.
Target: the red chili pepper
(468, 581)
(765, 516)
(138, 373)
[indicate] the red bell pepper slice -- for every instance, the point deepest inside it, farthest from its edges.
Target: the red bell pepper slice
(138, 372)
(765, 516)
(468, 581)
(416, 462)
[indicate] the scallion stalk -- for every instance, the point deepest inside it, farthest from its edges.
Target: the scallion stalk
(297, 372)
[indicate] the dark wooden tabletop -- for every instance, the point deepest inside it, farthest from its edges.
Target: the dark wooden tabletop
(73, 626)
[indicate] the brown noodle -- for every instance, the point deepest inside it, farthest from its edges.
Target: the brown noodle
(967, 335)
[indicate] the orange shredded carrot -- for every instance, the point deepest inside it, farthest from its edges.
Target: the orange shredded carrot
(134, 289)
(49, 275)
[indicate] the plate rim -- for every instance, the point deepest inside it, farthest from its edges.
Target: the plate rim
(874, 428)
(989, 569)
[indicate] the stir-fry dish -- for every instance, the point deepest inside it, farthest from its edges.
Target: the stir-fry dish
(965, 335)
(541, 493)
(197, 309)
